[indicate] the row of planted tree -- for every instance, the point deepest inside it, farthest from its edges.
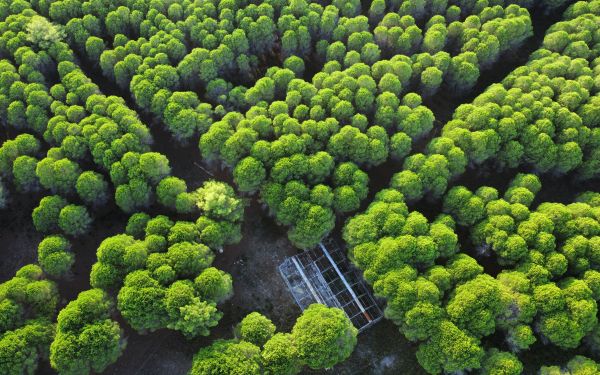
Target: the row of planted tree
(298, 99)
(87, 137)
(159, 271)
(542, 290)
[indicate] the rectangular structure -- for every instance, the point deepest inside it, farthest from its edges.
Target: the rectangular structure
(324, 275)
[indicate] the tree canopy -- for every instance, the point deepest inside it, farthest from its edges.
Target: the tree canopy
(320, 338)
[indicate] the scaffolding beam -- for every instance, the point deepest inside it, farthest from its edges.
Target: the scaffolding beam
(306, 281)
(348, 287)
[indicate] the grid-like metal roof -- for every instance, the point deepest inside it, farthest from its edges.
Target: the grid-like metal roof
(324, 275)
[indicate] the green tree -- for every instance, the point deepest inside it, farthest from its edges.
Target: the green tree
(42, 33)
(46, 214)
(556, 318)
(249, 174)
(218, 200)
(141, 301)
(214, 285)
(168, 189)
(324, 336)
(74, 220)
(27, 308)
(55, 256)
(280, 356)
(189, 259)
(226, 357)
(94, 46)
(24, 173)
(117, 256)
(134, 195)
(312, 227)
(86, 338)
(501, 363)
(450, 349)
(136, 225)
(579, 365)
(255, 328)
(58, 175)
(92, 188)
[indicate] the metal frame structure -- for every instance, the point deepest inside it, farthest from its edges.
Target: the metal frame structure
(324, 275)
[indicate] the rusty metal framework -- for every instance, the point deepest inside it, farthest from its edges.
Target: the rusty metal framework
(324, 275)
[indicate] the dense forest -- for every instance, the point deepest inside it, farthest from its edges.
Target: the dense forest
(159, 159)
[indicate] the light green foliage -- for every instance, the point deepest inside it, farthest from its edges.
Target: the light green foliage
(86, 338)
(74, 220)
(24, 173)
(227, 357)
(324, 336)
(579, 365)
(280, 355)
(301, 101)
(217, 200)
(320, 338)
(148, 305)
(27, 308)
(58, 175)
(256, 329)
(23, 144)
(46, 215)
(163, 276)
(249, 174)
(42, 33)
(501, 363)
(92, 188)
(214, 285)
(54, 256)
(449, 349)
(476, 305)
(168, 189)
(560, 320)
(136, 225)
